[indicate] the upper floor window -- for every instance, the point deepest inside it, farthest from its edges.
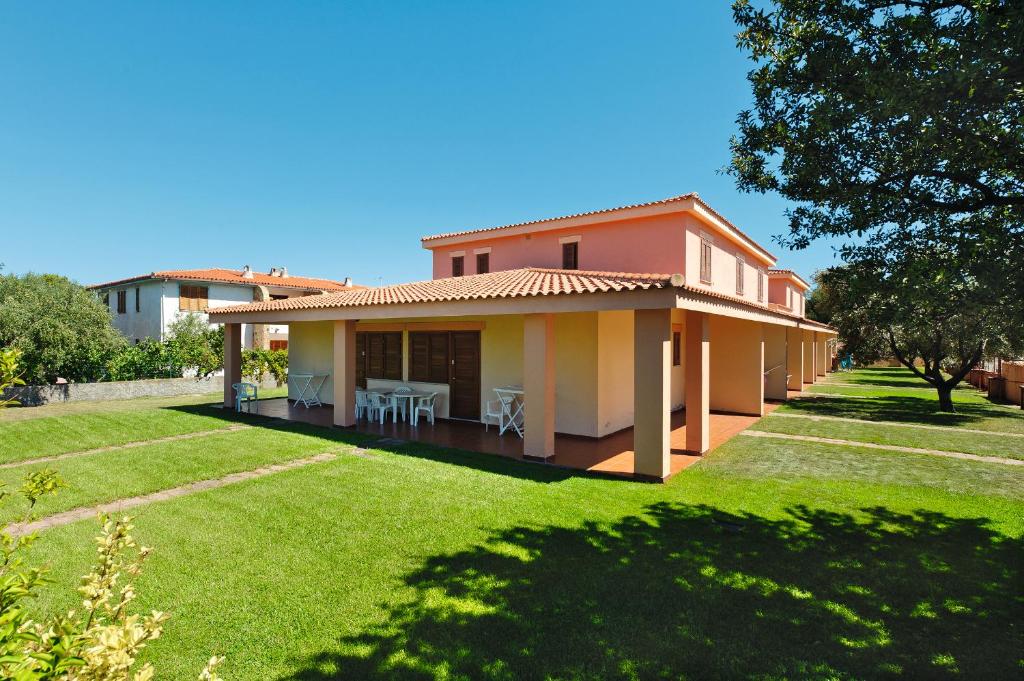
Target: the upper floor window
(458, 266)
(483, 263)
(705, 261)
(122, 301)
(106, 299)
(136, 298)
(193, 298)
(571, 255)
(760, 285)
(739, 275)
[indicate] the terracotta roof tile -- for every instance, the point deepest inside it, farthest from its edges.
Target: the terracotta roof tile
(531, 281)
(235, 277)
(520, 283)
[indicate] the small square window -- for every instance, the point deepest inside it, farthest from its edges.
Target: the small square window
(458, 266)
(483, 263)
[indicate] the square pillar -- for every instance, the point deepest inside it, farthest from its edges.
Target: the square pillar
(697, 334)
(808, 357)
(652, 383)
(821, 360)
(794, 358)
(539, 386)
(775, 361)
(737, 362)
(345, 372)
(232, 362)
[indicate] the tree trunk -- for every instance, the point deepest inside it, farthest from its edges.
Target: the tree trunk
(945, 397)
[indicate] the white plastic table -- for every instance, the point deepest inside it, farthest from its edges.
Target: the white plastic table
(513, 409)
(309, 388)
(411, 396)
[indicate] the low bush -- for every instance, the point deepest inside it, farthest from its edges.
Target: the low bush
(257, 363)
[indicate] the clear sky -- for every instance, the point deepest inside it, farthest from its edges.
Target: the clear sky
(328, 137)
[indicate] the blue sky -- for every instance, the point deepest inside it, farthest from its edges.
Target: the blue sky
(328, 137)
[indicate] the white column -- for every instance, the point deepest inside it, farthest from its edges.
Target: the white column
(232, 361)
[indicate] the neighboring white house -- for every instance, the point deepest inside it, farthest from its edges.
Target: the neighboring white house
(144, 306)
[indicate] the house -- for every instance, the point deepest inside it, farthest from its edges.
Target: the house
(144, 306)
(648, 318)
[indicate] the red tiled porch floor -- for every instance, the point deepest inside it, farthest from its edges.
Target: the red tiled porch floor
(612, 454)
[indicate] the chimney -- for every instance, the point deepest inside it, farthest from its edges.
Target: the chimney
(284, 272)
(348, 282)
(247, 272)
(274, 273)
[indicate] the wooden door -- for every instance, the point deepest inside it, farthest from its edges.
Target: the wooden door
(464, 379)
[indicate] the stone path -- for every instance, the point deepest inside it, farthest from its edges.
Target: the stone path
(891, 448)
(876, 386)
(925, 426)
(127, 445)
(58, 519)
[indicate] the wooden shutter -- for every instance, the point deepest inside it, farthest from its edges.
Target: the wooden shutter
(705, 261)
(464, 386)
(428, 356)
(122, 301)
(458, 266)
(570, 256)
(677, 350)
(393, 356)
(739, 276)
(136, 298)
(380, 356)
(483, 263)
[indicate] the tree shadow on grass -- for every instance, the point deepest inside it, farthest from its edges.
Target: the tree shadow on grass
(903, 408)
(687, 591)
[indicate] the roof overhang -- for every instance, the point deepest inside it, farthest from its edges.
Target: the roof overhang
(646, 299)
(791, 276)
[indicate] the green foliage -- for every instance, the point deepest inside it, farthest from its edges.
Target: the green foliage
(10, 375)
(99, 642)
(195, 345)
(61, 328)
(896, 127)
(257, 363)
(146, 359)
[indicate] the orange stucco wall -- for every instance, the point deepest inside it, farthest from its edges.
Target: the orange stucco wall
(783, 292)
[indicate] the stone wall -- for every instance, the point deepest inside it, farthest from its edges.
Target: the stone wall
(35, 395)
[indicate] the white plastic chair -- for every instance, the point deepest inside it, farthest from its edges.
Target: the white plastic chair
(362, 405)
(426, 405)
(379, 405)
(248, 393)
(399, 401)
(494, 414)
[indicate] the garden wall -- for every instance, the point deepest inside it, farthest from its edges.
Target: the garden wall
(35, 395)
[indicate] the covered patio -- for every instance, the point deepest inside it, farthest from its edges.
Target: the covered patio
(610, 455)
(628, 374)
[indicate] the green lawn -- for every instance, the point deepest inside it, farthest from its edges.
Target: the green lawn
(769, 559)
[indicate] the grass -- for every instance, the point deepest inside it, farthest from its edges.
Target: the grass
(769, 559)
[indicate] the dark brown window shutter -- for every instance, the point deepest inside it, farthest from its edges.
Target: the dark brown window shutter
(361, 360)
(570, 256)
(393, 356)
(458, 266)
(483, 263)
(677, 350)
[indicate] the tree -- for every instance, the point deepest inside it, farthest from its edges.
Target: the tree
(61, 328)
(196, 345)
(898, 126)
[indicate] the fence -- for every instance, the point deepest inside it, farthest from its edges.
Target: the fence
(1004, 384)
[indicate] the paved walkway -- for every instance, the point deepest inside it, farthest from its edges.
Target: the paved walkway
(58, 519)
(127, 445)
(923, 426)
(890, 448)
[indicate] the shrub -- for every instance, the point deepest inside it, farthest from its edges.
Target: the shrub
(258, 362)
(60, 327)
(147, 359)
(99, 642)
(195, 345)
(10, 375)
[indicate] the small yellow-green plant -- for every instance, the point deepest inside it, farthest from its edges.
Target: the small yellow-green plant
(102, 640)
(10, 375)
